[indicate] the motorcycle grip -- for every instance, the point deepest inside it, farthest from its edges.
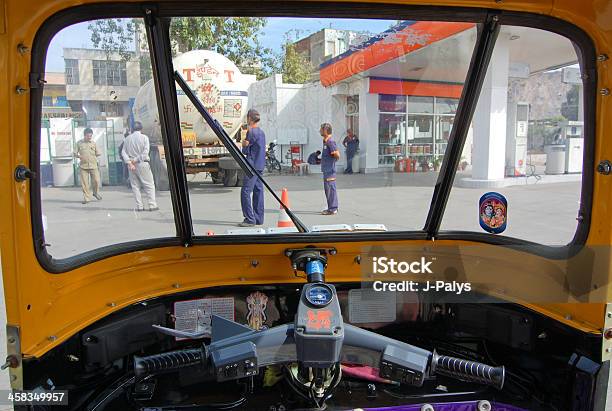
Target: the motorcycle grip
(168, 361)
(468, 370)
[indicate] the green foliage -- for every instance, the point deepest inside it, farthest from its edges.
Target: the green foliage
(296, 68)
(237, 38)
(113, 36)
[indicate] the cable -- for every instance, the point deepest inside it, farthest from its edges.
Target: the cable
(198, 407)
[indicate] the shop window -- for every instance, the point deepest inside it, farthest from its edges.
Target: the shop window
(392, 138)
(391, 104)
(418, 104)
(446, 105)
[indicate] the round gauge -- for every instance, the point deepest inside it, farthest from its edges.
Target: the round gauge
(319, 295)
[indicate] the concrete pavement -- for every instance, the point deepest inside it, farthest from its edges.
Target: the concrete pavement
(538, 212)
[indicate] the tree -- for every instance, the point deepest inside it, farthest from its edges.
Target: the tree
(237, 38)
(113, 36)
(569, 108)
(296, 68)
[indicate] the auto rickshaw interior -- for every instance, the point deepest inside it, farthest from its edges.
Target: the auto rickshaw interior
(476, 133)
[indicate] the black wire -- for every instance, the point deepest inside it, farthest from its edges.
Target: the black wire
(126, 380)
(327, 394)
(289, 378)
(211, 406)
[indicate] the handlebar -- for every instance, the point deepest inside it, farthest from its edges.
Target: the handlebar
(317, 340)
(169, 361)
(468, 370)
(438, 365)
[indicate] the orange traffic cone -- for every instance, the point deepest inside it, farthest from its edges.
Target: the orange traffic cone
(283, 218)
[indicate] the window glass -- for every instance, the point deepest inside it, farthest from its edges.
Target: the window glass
(72, 71)
(92, 78)
(526, 142)
(352, 114)
(391, 138)
(391, 103)
(359, 76)
(99, 72)
(446, 105)
(145, 71)
(417, 104)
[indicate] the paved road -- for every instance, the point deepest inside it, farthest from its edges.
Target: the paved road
(539, 212)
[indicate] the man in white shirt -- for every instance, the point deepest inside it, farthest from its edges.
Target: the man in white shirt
(135, 154)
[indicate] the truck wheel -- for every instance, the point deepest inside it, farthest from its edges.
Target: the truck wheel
(158, 169)
(217, 178)
(230, 178)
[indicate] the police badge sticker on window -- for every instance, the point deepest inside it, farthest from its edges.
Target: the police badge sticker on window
(493, 212)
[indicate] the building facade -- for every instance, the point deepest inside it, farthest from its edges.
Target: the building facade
(399, 92)
(326, 44)
(102, 85)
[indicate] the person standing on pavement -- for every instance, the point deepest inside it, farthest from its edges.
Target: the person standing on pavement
(254, 148)
(328, 166)
(351, 144)
(135, 154)
(88, 153)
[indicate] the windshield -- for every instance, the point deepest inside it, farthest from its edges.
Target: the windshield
(335, 120)
(347, 120)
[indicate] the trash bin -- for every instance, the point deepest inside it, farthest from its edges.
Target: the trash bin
(63, 172)
(555, 158)
(355, 162)
(46, 174)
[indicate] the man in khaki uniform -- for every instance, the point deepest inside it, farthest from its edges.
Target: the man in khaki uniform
(88, 153)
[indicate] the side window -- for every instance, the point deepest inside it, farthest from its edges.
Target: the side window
(526, 142)
(90, 197)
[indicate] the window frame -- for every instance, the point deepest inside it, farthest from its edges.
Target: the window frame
(97, 68)
(74, 72)
(582, 42)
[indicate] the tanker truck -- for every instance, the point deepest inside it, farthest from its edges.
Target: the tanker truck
(223, 90)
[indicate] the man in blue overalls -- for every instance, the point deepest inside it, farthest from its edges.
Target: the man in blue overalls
(351, 143)
(328, 166)
(254, 147)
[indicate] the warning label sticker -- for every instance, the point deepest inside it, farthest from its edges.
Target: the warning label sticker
(196, 315)
(369, 306)
(232, 108)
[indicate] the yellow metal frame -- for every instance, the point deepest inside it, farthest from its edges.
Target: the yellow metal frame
(49, 308)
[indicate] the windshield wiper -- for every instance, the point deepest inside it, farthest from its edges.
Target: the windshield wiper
(242, 161)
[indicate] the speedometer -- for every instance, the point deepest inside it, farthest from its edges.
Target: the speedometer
(319, 295)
